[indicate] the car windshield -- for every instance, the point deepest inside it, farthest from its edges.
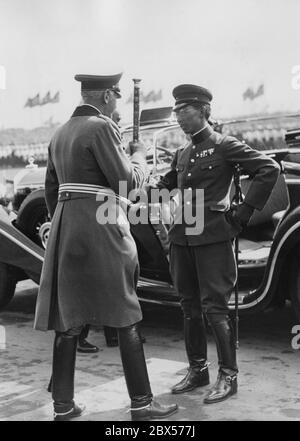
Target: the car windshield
(171, 139)
(146, 136)
(166, 139)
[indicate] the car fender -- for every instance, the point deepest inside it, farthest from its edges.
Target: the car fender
(286, 239)
(18, 250)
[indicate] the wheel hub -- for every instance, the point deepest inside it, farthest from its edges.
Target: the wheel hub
(44, 233)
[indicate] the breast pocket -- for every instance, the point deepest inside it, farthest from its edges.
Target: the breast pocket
(211, 165)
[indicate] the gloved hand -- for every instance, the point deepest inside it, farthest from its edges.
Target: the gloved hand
(243, 214)
(138, 147)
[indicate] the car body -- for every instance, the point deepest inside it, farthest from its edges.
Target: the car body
(269, 248)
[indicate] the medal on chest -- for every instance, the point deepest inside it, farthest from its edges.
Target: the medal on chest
(206, 153)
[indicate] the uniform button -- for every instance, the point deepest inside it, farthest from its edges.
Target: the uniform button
(192, 160)
(189, 174)
(194, 147)
(210, 167)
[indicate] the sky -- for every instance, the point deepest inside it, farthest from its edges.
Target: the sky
(225, 45)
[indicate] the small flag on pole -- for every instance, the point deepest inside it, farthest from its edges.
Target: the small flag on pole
(56, 97)
(251, 95)
(37, 101)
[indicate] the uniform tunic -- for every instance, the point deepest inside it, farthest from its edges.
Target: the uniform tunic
(202, 265)
(90, 270)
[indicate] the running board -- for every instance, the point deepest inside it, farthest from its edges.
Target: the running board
(166, 294)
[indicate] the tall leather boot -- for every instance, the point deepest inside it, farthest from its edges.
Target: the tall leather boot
(226, 384)
(143, 407)
(196, 349)
(64, 357)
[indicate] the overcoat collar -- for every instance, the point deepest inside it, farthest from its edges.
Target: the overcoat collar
(86, 110)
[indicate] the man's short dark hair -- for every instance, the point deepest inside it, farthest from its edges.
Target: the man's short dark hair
(91, 94)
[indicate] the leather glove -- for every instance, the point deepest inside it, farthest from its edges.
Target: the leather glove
(137, 147)
(243, 214)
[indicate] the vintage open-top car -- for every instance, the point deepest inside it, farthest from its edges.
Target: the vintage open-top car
(269, 248)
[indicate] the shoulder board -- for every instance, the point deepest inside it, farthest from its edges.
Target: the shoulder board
(105, 118)
(218, 138)
(112, 124)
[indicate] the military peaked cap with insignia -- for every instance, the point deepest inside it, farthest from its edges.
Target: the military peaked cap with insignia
(186, 94)
(100, 82)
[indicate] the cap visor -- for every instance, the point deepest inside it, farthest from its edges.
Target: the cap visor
(179, 106)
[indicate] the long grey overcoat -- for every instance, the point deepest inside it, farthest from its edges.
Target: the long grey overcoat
(90, 269)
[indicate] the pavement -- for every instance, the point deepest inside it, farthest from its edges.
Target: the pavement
(268, 381)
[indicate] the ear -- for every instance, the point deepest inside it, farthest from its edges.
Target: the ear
(106, 96)
(201, 111)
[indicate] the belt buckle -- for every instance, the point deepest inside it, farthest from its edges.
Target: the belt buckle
(65, 195)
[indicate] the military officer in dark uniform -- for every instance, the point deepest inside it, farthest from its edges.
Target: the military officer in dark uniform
(91, 267)
(203, 265)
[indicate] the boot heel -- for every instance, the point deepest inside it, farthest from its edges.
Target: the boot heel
(140, 416)
(234, 387)
(74, 412)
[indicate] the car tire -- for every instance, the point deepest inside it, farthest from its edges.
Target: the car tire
(295, 283)
(33, 215)
(8, 281)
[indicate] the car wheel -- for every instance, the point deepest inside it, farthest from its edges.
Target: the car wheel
(33, 218)
(295, 283)
(8, 281)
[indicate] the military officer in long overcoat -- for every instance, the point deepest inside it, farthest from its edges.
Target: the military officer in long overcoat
(202, 262)
(91, 264)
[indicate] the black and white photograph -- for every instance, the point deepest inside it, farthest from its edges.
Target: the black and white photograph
(149, 213)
